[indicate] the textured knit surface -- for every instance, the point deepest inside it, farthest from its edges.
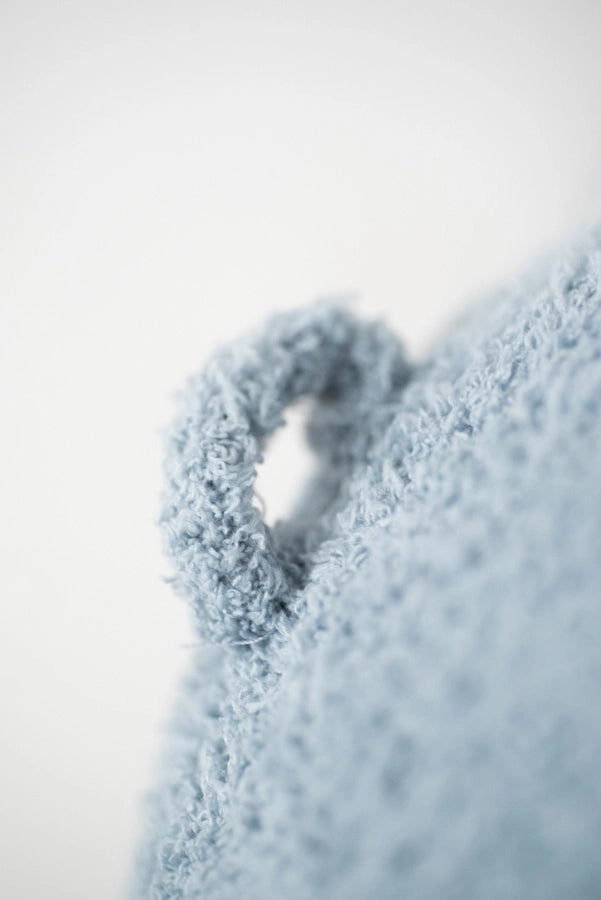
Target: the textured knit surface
(399, 689)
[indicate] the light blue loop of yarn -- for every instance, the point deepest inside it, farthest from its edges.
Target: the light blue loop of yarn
(225, 556)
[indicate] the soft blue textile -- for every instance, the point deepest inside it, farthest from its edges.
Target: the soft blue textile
(398, 692)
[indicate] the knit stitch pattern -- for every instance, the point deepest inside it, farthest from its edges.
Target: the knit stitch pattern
(397, 690)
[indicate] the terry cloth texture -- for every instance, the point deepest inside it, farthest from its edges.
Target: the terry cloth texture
(398, 690)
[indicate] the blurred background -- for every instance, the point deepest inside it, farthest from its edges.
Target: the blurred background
(170, 173)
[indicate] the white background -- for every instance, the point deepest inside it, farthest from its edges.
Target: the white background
(169, 173)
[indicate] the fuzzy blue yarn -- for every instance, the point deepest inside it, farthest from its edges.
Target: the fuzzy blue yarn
(399, 690)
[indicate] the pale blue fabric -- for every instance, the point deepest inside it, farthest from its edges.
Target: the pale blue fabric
(398, 692)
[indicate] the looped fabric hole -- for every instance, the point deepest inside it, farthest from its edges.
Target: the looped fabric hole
(288, 465)
(239, 572)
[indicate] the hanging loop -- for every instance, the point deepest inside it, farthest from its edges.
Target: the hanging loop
(224, 553)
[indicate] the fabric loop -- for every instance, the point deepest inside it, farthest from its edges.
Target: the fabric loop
(225, 556)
